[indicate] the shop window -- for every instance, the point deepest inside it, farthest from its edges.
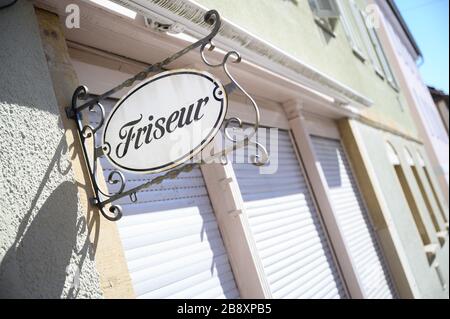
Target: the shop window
(353, 218)
(284, 221)
(171, 238)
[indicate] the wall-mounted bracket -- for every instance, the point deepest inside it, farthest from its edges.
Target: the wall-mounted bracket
(103, 199)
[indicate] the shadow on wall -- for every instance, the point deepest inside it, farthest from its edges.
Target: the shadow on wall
(43, 233)
(329, 160)
(37, 263)
(35, 266)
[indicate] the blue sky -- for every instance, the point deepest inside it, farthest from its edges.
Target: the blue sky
(428, 22)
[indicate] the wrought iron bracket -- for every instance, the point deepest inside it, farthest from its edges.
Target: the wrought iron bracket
(104, 199)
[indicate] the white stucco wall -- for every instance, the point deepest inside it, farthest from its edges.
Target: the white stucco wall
(44, 249)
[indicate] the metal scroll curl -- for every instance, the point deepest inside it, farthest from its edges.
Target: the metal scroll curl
(92, 153)
(88, 139)
(258, 159)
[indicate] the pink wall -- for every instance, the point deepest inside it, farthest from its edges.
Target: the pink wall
(424, 111)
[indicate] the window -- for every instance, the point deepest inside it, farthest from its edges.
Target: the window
(326, 14)
(409, 196)
(440, 276)
(444, 217)
(372, 43)
(350, 27)
(325, 8)
(286, 225)
(378, 56)
(412, 204)
(382, 57)
(359, 18)
(171, 236)
(433, 190)
(423, 192)
(426, 199)
(353, 218)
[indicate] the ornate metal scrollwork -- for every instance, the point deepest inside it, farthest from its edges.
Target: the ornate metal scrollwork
(257, 159)
(105, 199)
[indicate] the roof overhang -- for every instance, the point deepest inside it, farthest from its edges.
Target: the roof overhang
(189, 15)
(404, 26)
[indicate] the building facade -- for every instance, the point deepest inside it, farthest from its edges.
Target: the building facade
(349, 207)
(441, 101)
(404, 55)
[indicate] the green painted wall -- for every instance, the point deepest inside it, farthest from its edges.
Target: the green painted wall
(425, 275)
(290, 26)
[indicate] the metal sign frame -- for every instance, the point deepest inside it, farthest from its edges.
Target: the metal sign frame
(104, 200)
(218, 95)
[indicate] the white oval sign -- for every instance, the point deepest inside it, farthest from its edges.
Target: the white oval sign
(164, 121)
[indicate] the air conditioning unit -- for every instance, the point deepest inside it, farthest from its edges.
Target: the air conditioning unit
(160, 24)
(325, 8)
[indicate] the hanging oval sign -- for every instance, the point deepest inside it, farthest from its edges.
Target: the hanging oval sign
(164, 121)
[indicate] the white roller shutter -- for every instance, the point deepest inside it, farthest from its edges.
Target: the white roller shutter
(171, 239)
(353, 219)
(290, 239)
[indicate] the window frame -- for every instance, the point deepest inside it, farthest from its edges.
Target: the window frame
(326, 19)
(324, 13)
(351, 31)
(379, 50)
(360, 18)
(374, 47)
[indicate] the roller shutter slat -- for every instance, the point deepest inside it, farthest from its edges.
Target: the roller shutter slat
(290, 240)
(171, 240)
(352, 217)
